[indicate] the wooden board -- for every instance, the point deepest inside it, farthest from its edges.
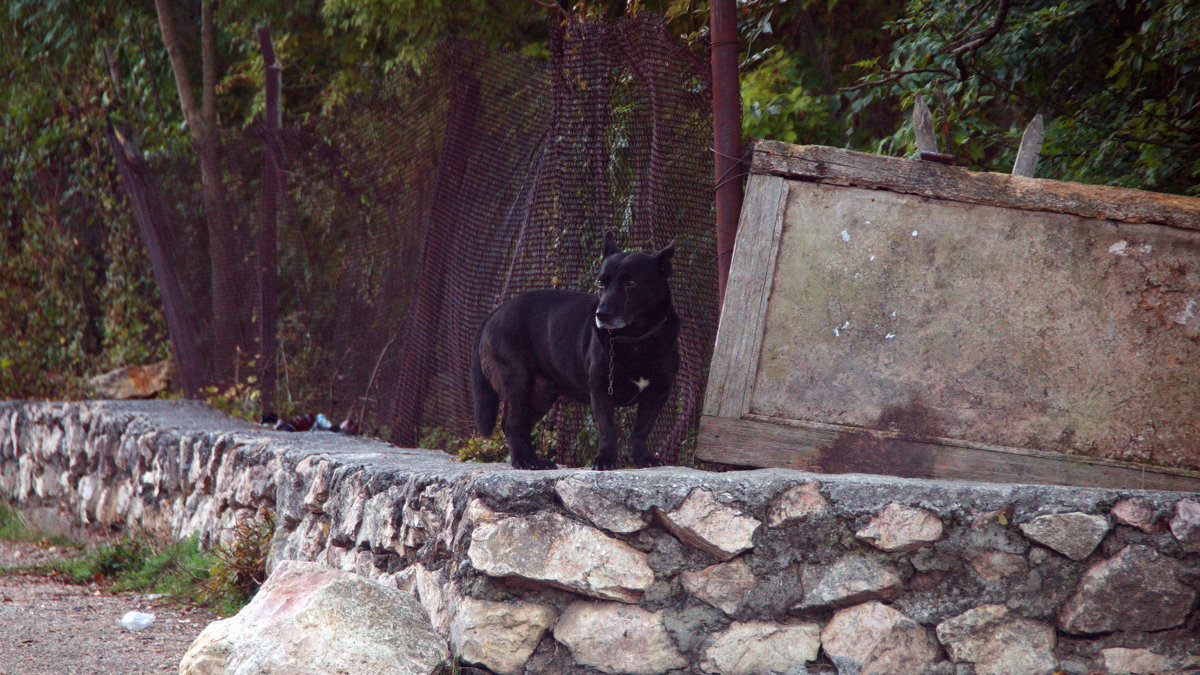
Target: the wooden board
(836, 449)
(740, 333)
(835, 166)
(908, 318)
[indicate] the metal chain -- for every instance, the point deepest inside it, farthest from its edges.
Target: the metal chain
(610, 363)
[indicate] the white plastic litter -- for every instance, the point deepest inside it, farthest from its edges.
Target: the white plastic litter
(136, 620)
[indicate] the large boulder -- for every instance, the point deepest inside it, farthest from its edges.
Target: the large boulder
(136, 381)
(308, 618)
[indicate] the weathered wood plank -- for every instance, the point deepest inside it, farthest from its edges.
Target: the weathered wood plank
(1031, 148)
(826, 448)
(844, 167)
(743, 314)
(927, 146)
(922, 122)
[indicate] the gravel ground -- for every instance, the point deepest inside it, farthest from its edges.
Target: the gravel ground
(48, 627)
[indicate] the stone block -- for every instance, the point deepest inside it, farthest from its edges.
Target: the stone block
(1123, 660)
(1185, 524)
(848, 581)
(756, 647)
(1135, 512)
(551, 549)
(797, 503)
(617, 638)
(724, 585)
(1074, 535)
(586, 502)
(873, 638)
(706, 524)
(901, 528)
(1136, 589)
(499, 635)
(999, 642)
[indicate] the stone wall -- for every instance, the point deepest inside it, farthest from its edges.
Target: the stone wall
(657, 570)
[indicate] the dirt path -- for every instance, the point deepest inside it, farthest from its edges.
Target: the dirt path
(48, 627)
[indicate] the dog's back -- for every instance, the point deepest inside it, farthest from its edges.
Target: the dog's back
(540, 337)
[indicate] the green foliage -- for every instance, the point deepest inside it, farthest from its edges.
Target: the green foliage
(182, 570)
(243, 398)
(1116, 81)
(493, 448)
(778, 105)
(466, 448)
(74, 296)
(796, 55)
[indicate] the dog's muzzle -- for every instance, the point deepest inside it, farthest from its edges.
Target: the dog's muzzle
(607, 320)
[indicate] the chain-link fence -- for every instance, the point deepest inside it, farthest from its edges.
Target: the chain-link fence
(412, 211)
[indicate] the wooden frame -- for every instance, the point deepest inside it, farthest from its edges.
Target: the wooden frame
(732, 432)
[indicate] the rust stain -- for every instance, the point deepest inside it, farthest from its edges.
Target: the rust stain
(868, 453)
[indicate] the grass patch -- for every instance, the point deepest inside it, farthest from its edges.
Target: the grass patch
(223, 579)
(14, 528)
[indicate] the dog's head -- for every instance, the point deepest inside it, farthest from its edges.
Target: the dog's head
(631, 284)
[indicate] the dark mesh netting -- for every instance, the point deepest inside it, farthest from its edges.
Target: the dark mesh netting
(404, 218)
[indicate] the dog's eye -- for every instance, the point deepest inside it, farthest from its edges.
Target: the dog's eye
(630, 284)
(601, 283)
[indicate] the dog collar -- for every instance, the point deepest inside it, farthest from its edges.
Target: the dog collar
(629, 338)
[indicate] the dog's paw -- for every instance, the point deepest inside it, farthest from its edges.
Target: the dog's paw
(606, 463)
(535, 464)
(646, 461)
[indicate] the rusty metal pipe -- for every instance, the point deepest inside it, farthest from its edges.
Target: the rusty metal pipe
(271, 187)
(727, 131)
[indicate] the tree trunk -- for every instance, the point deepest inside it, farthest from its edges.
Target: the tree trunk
(225, 327)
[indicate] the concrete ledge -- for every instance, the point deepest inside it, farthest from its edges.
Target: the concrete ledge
(655, 570)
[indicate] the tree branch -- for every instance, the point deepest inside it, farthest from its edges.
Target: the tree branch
(894, 75)
(974, 42)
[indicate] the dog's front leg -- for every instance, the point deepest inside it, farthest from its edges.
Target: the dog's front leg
(607, 457)
(647, 412)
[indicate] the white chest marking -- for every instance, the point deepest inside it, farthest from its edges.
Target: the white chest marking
(641, 383)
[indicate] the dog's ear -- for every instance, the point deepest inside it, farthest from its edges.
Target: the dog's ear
(610, 244)
(663, 258)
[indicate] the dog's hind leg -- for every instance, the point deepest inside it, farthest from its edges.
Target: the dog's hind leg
(484, 395)
(527, 405)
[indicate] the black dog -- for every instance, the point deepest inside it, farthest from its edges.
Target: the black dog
(615, 349)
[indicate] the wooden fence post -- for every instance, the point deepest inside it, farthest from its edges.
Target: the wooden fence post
(922, 121)
(1031, 146)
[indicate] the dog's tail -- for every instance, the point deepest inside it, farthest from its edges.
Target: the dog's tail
(487, 401)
